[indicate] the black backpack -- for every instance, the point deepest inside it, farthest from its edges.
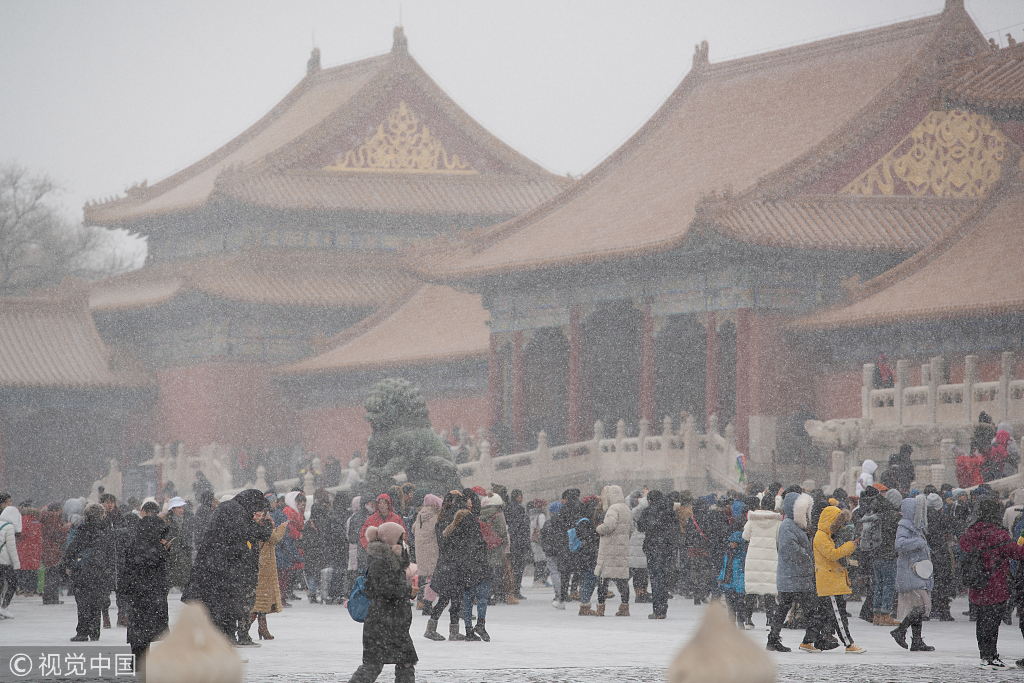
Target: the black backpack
(972, 570)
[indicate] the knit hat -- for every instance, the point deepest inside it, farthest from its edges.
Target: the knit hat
(880, 487)
(894, 497)
(869, 492)
(736, 537)
(555, 507)
(492, 501)
(479, 490)
(934, 501)
(432, 501)
(989, 511)
(388, 533)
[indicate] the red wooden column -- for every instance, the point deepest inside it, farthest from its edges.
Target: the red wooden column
(575, 427)
(518, 393)
(744, 376)
(495, 388)
(711, 369)
(648, 370)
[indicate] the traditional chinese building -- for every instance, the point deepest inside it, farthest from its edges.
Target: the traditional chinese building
(266, 250)
(65, 397)
(686, 272)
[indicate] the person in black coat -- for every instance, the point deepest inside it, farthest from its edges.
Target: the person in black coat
(571, 513)
(471, 571)
(446, 581)
(144, 582)
(386, 637)
(520, 551)
(660, 525)
(89, 560)
(225, 571)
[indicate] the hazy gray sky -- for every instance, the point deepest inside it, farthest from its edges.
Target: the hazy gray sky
(106, 93)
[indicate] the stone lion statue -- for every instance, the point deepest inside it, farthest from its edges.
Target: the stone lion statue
(402, 440)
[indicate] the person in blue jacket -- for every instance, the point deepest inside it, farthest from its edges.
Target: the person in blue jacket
(730, 580)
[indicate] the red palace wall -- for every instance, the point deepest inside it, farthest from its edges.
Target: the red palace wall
(230, 404)
(340, 430)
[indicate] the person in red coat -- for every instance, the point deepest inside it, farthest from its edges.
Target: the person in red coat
(30, 548)
(54, 535)
(383, 514)
(988, 537)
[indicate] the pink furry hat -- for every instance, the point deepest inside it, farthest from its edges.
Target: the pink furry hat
(430, 500)
(389, 533)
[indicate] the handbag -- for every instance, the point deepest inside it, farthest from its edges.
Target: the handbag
(923, 569)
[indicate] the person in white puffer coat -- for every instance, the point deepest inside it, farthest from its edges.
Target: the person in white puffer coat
(10, 524)
(761, 533)
(613, 550)
(637, 558)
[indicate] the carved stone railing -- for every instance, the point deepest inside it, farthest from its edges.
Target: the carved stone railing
(687, 460)
(933, 417)
(936, 402)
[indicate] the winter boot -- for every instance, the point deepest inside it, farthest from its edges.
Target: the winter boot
(623, 610)
(600, 610)
(453, 632)
(262, 629)
(643, 596)
(470, 633)
(586, 611)
(899, 634)
(917, 644)
(775, 645)
(481, 631)
(431, 632)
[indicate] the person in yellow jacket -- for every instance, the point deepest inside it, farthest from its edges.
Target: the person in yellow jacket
(830, 576)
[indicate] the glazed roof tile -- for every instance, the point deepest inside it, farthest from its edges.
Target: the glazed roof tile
(431, 194)
(729, 125)
(993, 82)
(333, 279)
(842, 222)
(972, 272)
(433, 324)
(50, 341)
(323, 105)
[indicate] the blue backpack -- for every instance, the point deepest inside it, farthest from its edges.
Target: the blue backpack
(358, 600)
(574, 540)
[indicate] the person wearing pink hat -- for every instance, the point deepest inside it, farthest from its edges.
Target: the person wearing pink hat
(386, 638)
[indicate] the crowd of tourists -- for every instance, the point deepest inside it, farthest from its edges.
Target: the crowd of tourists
(793, 553)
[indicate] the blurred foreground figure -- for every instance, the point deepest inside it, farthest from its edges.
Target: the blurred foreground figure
(226, 568)
(719, 653)
(194, 651)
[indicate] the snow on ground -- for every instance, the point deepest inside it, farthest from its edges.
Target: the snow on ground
(532, 642)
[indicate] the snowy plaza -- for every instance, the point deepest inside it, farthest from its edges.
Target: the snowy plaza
(533, 643)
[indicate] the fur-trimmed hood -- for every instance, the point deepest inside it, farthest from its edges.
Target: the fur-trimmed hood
(800, 511)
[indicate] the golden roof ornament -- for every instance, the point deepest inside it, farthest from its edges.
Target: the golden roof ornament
(951, 153)
(401, 144)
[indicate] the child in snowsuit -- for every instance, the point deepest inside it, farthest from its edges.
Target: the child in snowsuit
(730, 580)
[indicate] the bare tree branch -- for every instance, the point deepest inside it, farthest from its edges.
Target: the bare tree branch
(38, 247)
